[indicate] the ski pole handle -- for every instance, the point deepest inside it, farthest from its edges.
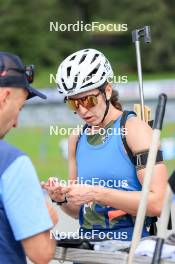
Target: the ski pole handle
(160, 112)
(142, 32)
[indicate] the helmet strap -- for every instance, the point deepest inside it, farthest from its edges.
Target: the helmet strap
(107, 106)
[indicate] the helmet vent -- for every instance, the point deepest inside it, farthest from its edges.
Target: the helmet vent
(73, 57)
(68, 71)
(102, 75)
(94, 71)
(96, 56)
(75, 81)
(64, 84)
(82, 58)
(90, 83)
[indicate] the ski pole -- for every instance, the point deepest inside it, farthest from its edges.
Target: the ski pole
(137, 34)
(160, 111)
(164, 218)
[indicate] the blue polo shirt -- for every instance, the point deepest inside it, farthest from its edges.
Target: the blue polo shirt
(23, 212)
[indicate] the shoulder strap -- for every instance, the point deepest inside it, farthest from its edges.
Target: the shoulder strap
(122, 125)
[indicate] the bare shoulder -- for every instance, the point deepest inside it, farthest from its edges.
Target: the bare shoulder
(73, 139)
(74, 135)
(139, 134)
(136, 123)
(72, 143)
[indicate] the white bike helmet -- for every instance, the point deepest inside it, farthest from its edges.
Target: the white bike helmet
(82, 71)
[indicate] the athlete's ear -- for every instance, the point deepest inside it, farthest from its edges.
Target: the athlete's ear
(108, 90)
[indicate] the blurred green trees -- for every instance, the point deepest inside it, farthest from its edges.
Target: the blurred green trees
(25, 30)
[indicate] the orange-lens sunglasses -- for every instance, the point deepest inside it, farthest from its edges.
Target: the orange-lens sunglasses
(86, 101)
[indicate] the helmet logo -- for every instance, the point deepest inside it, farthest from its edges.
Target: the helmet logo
(107, 66)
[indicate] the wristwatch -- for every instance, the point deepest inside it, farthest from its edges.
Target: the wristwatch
(60, 203)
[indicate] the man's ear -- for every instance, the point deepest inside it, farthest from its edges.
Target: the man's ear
(4, 96)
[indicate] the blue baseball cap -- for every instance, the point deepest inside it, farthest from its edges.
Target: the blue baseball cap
(14, 74)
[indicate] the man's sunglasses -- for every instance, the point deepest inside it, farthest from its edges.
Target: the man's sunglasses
(86, 101)
(29, 71)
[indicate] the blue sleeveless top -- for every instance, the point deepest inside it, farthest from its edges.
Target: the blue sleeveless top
(106, 165)
(11, 251)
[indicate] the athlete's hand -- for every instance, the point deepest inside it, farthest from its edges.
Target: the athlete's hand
(79, 194)
(55, 190)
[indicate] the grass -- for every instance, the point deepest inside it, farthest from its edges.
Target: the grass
(46, 154)
(152, 76)
(42, 78)
(43, 149)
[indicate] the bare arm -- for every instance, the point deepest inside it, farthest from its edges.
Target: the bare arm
(70, 209)
(129, 201)
(40, 248)
(139, 139)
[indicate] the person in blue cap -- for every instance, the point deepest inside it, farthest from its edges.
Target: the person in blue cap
(25, 217)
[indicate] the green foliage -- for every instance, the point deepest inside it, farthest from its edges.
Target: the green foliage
(160, 55)
(25, 30)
